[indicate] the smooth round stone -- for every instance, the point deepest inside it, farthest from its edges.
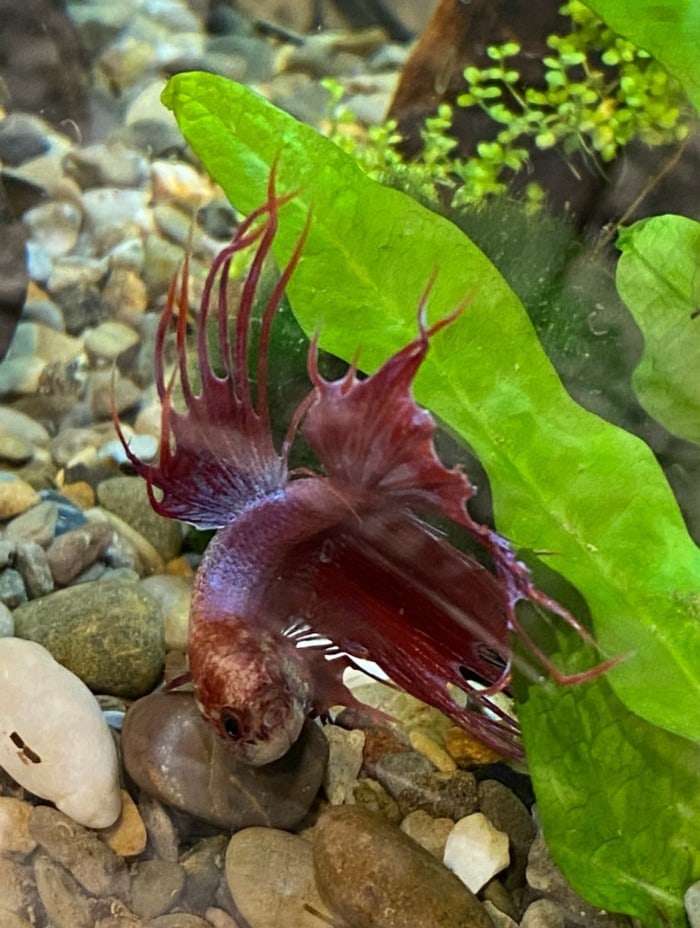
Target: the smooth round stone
(66, 904)
(56, 743)
(127, 497)
(691, 900)
(127, 255)
(145, 447)
(93, 864)
(74, 551)
(102, 165)
(22, 426)
(544, 914)
(374, 876)
(111, 211)
(476, 851)
(175, 180)
(13, 592)
(125, 293)
(22, 137)
(109, 340)
(14, 449)
(172, 754)
(36, 524)
(32, 563)
(156, 886)
(69, 516)
(271, 877)
(16, 496)
(54, 226)
(109, 633)
(73, 271)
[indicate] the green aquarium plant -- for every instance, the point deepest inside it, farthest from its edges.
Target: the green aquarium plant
(600, 92)
(615, 761)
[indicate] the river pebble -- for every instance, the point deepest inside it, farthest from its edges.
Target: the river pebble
(77, 770)
(271, 877)
(172, 754)
(127, 497)
(374, 876)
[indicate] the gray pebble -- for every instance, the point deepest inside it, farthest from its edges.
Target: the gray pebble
(543, 913)
(37, 524)
(504, 810)
(91, 862)
(22, 137)
(156, 887)
(18, 888)
(33, 564)
(203, 866)
(415, 784)
(7, 623)
(54, 226)
(12, 589)
(67, 904)
(162, 834)
(103, 165)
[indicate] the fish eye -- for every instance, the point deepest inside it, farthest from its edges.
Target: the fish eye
(231, 724)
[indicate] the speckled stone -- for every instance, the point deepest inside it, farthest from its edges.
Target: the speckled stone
(503, 808)
(127, 497)
(32, 563)
(156, 887)
(109, 633)
(171, 753)
(374, 876)
(415, 784)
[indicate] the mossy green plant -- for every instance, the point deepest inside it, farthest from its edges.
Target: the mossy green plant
(601, 92)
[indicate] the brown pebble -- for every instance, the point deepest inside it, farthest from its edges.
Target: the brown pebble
(467, 750)
(16, 496)
(74, 551)
(127, 836)
(14, 826)
(80, 493)
(374, 876)
(18, 888)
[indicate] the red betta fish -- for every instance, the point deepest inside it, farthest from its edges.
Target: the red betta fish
(309, 572)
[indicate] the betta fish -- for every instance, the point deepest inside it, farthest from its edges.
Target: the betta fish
(309, 573)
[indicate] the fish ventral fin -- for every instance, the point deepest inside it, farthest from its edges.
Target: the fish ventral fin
(216, 456)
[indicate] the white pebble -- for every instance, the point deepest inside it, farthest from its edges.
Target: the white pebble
(476, 851)
(53, 739)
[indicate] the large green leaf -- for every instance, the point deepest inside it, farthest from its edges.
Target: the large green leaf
(668, 29)
(618, 805)
(658, 277)
(563, 480)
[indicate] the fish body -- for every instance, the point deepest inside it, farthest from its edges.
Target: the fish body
(310, 573)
